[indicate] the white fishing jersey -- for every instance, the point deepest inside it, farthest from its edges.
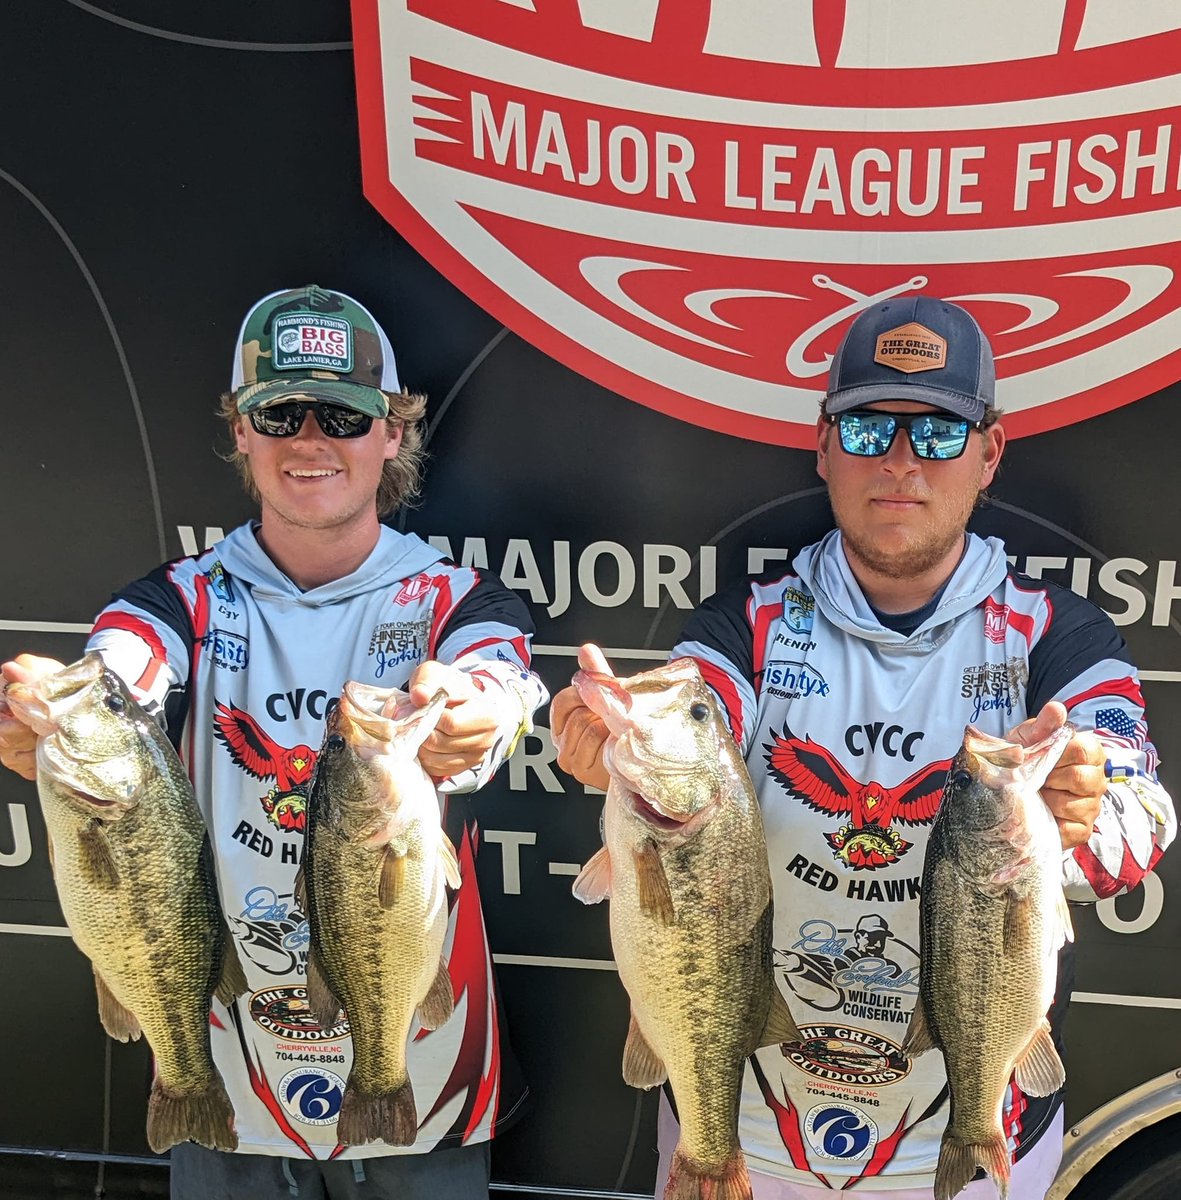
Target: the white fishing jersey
(848, 729)
(243, 668)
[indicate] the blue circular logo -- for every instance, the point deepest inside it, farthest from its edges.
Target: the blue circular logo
(840, 1133)
(311, 1095)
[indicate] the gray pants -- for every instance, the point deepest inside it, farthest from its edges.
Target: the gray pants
(458, 1174)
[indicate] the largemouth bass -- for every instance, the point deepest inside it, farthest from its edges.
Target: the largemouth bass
(134, 875)
(993, 918)
(375, 877)
(685, 865)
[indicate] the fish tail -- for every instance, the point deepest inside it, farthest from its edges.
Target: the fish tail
(378, 1116)
(690, 1180)
(958, 1162)
(206, 1117)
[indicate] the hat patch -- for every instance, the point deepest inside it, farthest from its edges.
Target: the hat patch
(911, 347)
(304, 340)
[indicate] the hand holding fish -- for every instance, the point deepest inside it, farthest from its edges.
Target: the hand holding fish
(579, 733)
(1074, 789)
(468, 726)
(18, 741)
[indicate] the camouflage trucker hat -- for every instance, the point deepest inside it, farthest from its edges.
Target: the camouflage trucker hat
(315, 342)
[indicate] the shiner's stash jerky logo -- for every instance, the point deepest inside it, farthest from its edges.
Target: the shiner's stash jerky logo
(689, 201)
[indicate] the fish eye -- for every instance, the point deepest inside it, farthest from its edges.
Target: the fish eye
(116, 703)
(961, 779)
(699, 711)
(334, 742)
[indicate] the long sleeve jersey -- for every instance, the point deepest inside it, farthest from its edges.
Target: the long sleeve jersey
(848, 729)
(242, 666)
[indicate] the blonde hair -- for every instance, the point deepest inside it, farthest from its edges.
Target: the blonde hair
(401, 477)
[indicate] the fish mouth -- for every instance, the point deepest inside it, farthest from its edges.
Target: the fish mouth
(675, 827)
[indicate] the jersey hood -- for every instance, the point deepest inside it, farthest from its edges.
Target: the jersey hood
(825, 569)
(396, 556)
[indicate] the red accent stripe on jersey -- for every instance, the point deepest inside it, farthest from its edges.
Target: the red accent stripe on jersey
(517, 643)
(1126, 687)
(1102, 882)
(786, 1118)
(760, 617)
(262, 1088)
(126, 623)
(1024, 623)
(468, 968)
(724, 686)
(884, 1151)
(1013, 1124)
(441, 611)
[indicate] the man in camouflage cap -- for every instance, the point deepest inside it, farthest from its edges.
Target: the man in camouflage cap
(316, 592)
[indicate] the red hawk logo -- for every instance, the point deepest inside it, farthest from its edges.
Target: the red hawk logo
(866, 842)
(258, 754)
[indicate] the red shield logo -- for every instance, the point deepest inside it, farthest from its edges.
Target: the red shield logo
(688, 203)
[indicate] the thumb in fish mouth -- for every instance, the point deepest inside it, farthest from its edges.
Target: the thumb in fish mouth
(592, 659)
(1036, 729)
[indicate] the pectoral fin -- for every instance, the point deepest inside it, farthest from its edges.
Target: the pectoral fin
(119, 1022)
(656, 900)
(392, 878)
(324, 1005)
(1018, 915)
(301, 889)
(594, 880)
(781, 1025)
(98, 862)
(642, 1067)
(450, 864)
(232, 981)
(1039, 1070)
(919, 1038)
(439, 1003)
(1064, 917)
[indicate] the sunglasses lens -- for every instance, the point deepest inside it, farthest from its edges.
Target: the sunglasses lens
(339, 422)
(280, 420)
(938, 437)
(867, 434)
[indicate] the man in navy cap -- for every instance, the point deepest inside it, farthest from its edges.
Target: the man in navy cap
(909, 628)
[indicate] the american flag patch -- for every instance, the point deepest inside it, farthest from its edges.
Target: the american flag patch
(1118, 725)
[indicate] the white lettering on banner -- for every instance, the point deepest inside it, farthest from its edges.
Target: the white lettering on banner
(188, 538)
(608, 574)
(1153, 895)
(510, 842)
(525, 760)
(1112, 584)
(22, 844)
(634, 162)
(809, 177)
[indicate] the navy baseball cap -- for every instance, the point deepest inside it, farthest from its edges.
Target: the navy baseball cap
(914, 348)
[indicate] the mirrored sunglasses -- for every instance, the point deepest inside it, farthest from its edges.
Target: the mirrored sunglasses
(870, 434)
(286, 419)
